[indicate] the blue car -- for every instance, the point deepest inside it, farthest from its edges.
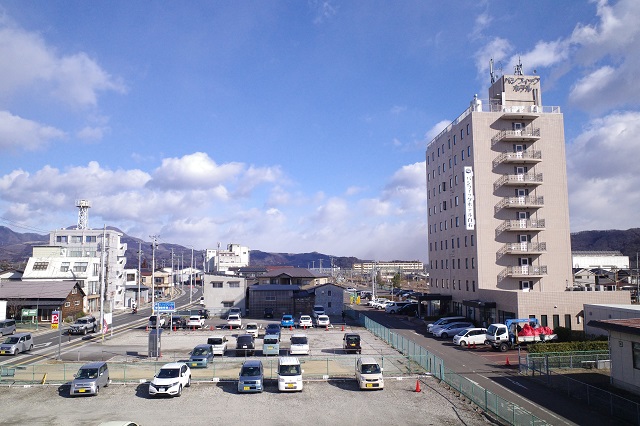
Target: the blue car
(287, 321)
(273, 329)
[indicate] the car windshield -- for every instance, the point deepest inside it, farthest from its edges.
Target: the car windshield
(352, 339)
(272, 327)
(250, 371)
(244, 340)
(298, 340)
(370, 368)
(287, 318)
(290, 370)
(200, 351)
(168, 373)
(215, 341)
(252, 326)
(270, 341)
(11, 340)
(87, 373)
(305, 318)
(463, 332)
(82, 321)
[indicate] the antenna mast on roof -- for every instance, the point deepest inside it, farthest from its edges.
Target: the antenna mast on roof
(518, 68)
(491, 73)
(83, 213)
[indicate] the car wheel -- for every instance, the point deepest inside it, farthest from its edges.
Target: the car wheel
(15, 352)
(30, 347)
(84, 331)
(107, 384)
(444, 335)
(97, 389)
(179, 391)
(189, 382)
(463, 343)
(503, 347)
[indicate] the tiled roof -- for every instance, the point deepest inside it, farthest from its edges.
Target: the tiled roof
(628, 325)
(33, 289)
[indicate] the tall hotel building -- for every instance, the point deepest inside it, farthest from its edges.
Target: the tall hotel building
(499, 239)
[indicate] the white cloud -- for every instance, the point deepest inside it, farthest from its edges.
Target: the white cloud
(436, 129)
(601, 166)
(88, 133)
(27, 60)
(19, 133)
(194, 171)
(323, 10)
(497, 49)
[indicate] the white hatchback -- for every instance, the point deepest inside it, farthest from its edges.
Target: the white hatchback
(470, 336)
(299, 345)
(170, 380)
(305, 321)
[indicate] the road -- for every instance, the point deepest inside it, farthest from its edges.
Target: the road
(488, 369)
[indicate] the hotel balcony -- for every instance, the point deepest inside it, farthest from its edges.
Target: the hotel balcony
(519, 203)
(519, 225)
(522, 248)
(520, 157)
(525, 179)
(528, 134)
(529, 271)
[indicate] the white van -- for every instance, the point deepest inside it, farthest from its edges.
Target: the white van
(369, 374)
(318, 310)
(289, 374)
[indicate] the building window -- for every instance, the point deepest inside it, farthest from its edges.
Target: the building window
(543, 321)
(567, 321)
(466, 263)
(556, 321)
(216, 284)
(465, 240)
(457, 224)
(469, 151)
(227, 304)
(74, 290)
(473, 286)
(329, 304)
(91, 239)
(455, 179)
(234, 284)
(472, 240)
(458, 242)
(473, 263)
(76, 303)
(40, 266)
(449, 143)
(467, 285)
(64, 267)
(80, 266)
(461, 134)
(61, 239)
(75, 253)
(67, 304)
(636, 355)
(467, 129)
(462, 155)
(270, 298)
(454, 139)
(76, 239)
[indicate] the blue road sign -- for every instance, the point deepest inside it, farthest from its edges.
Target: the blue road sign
(164, 306)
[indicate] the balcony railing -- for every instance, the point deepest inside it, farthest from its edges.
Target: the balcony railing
(523, 271)
(526, 134)
(522, 248)
(521, 225)
(528, 156)
(519, 202)
(525, 179)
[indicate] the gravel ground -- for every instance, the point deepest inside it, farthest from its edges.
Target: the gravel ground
(320, 403)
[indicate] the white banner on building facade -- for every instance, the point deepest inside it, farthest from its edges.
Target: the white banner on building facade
(468, 199)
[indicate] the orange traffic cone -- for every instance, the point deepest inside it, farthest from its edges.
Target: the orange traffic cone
(507, 362)
(474, 345)
(326, 328)
(210, 328)
(175, 328)
(290, 328)
(342, 327)
(418, 386)
(146, 329)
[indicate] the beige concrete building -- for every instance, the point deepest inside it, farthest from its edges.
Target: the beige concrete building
(499, 239)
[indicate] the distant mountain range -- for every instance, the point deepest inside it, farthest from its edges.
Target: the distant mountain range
(16, 248)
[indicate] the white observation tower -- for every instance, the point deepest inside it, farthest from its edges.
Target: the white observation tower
(83, 213)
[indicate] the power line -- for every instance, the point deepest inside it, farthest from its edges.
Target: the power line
(27, 227)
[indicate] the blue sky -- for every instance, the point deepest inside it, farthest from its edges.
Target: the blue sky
(293, 126)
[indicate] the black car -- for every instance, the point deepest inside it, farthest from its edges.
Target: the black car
(268, 312)
(351, 343)
(245, 345)
(409, 309)
(204, 313)
(178, 322)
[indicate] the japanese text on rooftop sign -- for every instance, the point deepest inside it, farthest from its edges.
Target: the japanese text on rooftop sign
(469, 199)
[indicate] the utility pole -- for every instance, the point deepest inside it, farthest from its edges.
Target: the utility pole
(139, 271)
(191, 279)
(173, 274)
(154, 244)
(102, 283)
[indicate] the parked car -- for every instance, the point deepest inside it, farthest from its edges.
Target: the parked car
(289, 374)
(234, 321)
(305, 321)
(318, 310)
(252, 329)
(204, 313)
(251, 377)
(268, 313)
(154, 318)
(470, 336)
(323, 321)
(369, 374)
(235, 311)
(170, 380)
(394, 307)
(352, 289)
(201, 355)
(89, 379)
(408, 309)
(272, 328)
(7, 326)
(245, 345)
(444, 320)
(299, 345)
(19, 342)
(218, 344)
(195, 321)
(451, 329)
(351, 343)
(287, 321)
(202, 302)
(271, 344)
(84, 325)
(178, 322)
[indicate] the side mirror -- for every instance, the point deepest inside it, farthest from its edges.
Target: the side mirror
(303, 371)
(381, 369)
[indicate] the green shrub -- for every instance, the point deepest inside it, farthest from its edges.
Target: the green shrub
(568, 347)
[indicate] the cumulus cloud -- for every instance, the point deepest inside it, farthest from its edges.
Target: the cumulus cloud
(20, 133)
(602, 174)
(194, 171)
(28, 60)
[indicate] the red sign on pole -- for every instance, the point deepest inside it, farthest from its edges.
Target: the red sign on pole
(55, 319)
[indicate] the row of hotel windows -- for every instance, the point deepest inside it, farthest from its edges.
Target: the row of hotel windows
(231, 284)
(452, 162)
(444, 263)
(444, 283)
(76, 239)
(445, 246)
(441, 149)
(65, 266)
